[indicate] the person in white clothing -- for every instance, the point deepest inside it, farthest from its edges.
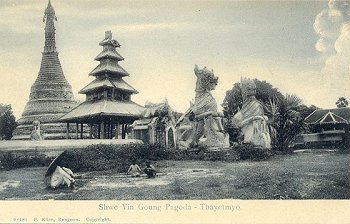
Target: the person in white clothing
(62, 176)
(134, 170)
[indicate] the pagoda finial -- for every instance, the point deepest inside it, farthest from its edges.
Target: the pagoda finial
(108, 35)
(108, 40)
(49, 17)
(49, 12)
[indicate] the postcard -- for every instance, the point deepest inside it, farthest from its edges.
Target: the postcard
(174, 111)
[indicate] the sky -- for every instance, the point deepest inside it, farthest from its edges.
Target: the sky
(300, 47)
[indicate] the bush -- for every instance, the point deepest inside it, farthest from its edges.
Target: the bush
(105, 157)
(13, 160)
(119, 157)
(252, 152)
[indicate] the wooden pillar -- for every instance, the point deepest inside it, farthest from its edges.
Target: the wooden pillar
(105, 94)
(116, 130)
(122, 131)
(67, 131)
(111, 130)
(108, 130)
(76, 130)
(124, 126)
(90, 130)
(81, 130)
(103, 130)
(99, 130)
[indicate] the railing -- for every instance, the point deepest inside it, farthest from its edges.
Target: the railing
(333, 131)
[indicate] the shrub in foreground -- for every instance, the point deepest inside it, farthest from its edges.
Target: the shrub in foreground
(105, 157)
(13, 160)
(252, 152)
(119, 157)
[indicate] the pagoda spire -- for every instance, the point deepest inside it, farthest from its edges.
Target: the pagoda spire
(50, 40)
(51, 95)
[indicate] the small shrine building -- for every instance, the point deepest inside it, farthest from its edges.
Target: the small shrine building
(108, 108)
(157, 125)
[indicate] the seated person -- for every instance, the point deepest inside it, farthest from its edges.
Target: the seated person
(60, 177)
(134, 169)
(150, 170)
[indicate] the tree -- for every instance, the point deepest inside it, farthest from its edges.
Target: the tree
(233, 100)
(342, 102)
(285, 120)
(7, 121)
(285, 112)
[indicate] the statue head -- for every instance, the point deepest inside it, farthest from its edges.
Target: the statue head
(206, 80)
(248, 88)
(36, 124)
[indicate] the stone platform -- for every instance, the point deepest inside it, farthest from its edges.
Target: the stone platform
(49, 131)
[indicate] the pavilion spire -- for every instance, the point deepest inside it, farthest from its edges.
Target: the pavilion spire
(50, 39)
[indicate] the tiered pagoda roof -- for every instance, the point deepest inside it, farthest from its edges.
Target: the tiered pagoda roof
(109, 59)
(107, 95)
(51, 95)
(109, 65)
(112, 83)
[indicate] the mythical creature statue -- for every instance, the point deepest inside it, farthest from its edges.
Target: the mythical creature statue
(36, 132)
(250, 118)
(201, 125)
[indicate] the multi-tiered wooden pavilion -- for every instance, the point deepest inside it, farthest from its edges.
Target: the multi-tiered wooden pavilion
(108, 108)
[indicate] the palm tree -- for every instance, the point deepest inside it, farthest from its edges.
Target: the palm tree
(285, 120)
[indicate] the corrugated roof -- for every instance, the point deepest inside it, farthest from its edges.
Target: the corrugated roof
(104, 107)
(109, 54)
(116, 83)
(340, 115)
(109, 66)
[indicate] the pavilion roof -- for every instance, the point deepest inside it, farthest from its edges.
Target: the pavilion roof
(112, 83)
(109, 41)
(109, 66)
(336, 115)
(108, 53)
(103, 108)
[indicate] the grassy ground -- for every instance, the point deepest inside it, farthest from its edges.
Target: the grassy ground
(299, 176)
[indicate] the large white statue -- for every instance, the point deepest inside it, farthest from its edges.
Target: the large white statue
(251, 118)
(201, 125)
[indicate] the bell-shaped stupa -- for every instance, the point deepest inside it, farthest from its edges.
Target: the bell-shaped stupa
(51, 95)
